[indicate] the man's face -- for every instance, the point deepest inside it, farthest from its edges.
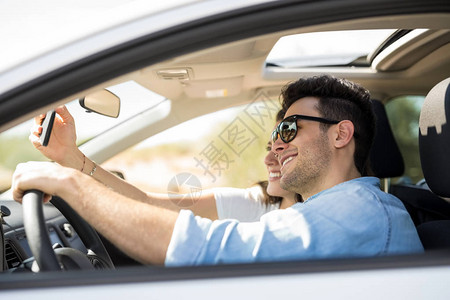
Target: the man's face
(304, 160)
(273, 168)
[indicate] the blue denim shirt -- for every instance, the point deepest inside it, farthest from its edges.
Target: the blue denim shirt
(352, 219)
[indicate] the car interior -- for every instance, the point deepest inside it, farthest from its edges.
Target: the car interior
(413, 60)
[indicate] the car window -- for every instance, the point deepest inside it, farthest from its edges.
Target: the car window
(403, 113)
(16, 148)
(225, 148)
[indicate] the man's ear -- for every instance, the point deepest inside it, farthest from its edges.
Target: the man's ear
(345, 131)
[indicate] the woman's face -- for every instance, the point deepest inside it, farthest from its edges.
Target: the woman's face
(273, 168)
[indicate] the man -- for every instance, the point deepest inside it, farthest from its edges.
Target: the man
(334, 144)
(323, 150)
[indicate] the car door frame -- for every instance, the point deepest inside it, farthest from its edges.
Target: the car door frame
(192, 36)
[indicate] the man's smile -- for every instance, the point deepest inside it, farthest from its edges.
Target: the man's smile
(284, 160)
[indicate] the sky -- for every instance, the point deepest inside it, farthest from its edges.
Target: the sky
(30, 27)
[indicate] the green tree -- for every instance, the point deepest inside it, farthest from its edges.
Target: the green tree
(403, 113)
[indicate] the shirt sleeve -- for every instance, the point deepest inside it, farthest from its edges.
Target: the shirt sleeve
(200, 241)
(245, 205)
(350, 223)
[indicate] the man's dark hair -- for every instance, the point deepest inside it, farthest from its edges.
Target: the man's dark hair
(339, 99)
(280, 115)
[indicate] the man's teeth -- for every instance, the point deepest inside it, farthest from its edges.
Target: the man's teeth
(287, 160)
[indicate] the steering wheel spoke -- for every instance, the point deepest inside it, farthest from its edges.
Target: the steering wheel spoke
(38, 238)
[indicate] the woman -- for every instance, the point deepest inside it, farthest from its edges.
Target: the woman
(241, 204)
(247, 205)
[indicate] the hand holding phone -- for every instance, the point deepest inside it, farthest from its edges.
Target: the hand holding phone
(47, 125)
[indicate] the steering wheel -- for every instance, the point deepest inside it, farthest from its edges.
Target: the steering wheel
(49, 259)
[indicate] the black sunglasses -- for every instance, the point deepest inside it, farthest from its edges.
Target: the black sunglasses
(287, 129)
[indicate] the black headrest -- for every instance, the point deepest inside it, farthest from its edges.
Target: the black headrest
(434, 138)
(385, 157)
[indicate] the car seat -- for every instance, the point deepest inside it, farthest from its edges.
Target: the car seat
(387, 162)
(385, 157)
(434, 146)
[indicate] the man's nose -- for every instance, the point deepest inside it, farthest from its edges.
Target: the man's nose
(278, 146)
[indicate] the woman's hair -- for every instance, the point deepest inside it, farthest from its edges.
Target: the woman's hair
(268, 199)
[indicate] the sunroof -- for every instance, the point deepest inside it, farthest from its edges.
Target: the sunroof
(330, 48)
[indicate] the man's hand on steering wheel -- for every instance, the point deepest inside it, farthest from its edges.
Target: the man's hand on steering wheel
(43, 176)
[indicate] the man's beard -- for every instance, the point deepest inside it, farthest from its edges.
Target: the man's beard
(311, 166)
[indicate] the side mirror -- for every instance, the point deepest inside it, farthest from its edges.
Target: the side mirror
(102, 102)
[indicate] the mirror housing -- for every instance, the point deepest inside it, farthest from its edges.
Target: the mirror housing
(102, 102)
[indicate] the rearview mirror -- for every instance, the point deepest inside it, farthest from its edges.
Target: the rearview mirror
(102, 102)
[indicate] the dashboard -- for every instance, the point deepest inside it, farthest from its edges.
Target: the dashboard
(17, 250)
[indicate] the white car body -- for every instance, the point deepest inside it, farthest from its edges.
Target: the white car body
(405, 277)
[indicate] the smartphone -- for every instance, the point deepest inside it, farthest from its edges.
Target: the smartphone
(47, 125)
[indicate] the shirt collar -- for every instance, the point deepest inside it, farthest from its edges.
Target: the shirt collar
(366, 179)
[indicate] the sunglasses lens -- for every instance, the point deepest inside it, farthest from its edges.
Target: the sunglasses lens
(274, 136)
(288, 130)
